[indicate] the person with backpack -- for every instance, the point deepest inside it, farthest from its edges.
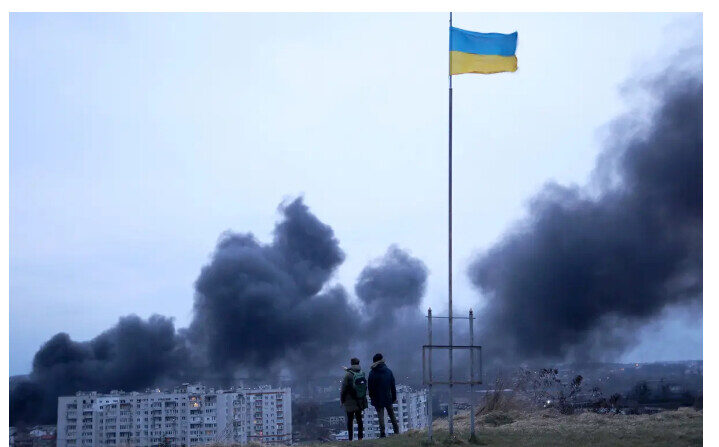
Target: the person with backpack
(353, 397)
(382, 392)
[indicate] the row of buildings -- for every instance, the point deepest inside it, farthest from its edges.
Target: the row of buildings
(189, 415)
(192, 415)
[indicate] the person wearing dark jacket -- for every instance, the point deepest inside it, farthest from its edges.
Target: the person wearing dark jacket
(352, 403)
(382, 392)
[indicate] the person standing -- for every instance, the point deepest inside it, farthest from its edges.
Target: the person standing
(353, 396)
(382, 392)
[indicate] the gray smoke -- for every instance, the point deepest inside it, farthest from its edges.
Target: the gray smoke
(259, 309)
(263, 306)
(583, 269)
(391, 289)
(396, 280)
(579, 263)
(132, 355)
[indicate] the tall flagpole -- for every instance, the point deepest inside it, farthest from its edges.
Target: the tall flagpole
(451, 397)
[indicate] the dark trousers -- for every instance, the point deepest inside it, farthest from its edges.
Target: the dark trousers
(392, 418)
(360, 427)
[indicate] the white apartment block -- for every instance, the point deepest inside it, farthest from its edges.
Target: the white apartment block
(190, 415)
(410, 410)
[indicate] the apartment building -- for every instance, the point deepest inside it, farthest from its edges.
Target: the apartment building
(269, 416)
(189, 415)
(411, 411)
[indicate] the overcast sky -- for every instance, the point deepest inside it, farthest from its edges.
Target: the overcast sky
(136, 139)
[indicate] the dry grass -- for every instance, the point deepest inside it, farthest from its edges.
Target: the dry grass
(549, 428)
(510, 424)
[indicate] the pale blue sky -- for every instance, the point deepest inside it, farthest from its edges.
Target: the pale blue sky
(136, 139)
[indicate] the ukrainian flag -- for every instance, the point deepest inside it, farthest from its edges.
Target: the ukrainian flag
(471, 52)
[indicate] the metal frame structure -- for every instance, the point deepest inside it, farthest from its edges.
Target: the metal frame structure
(428, 379)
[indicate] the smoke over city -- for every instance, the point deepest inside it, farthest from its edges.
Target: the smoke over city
(263, 305)
(259, 308)
(134, 354)
(584, 268)
(581, 261)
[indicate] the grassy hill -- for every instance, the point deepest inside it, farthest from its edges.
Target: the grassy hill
(547, 428)
(682, 427)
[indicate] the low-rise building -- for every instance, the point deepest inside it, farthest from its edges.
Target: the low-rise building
(35, 436)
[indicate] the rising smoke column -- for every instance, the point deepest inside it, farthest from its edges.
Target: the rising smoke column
(263, 305)
(578, 260)
(391, 289)
(132, 355)
(257, 306)
(394, 281)
(582, 261)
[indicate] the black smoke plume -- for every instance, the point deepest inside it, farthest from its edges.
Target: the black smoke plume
(391, 289)
(259, 308)
(262, 305)
(396, 280)
(579, 262)
(584, 265)
(134, 354)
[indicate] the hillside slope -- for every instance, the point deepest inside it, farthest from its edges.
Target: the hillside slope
(682, 427)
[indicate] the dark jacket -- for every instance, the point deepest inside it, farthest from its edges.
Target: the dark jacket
(347, 394)
(380, 384)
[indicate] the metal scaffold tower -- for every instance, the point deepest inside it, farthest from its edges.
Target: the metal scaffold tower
(475, 371)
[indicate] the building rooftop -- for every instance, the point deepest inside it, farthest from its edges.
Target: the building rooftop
(185, 388)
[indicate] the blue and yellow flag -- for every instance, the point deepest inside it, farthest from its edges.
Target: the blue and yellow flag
(471, 52)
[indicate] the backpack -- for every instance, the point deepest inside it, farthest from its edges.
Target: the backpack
(359, 384)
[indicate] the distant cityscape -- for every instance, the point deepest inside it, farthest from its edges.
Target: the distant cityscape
(306, 410)
(193, 415)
